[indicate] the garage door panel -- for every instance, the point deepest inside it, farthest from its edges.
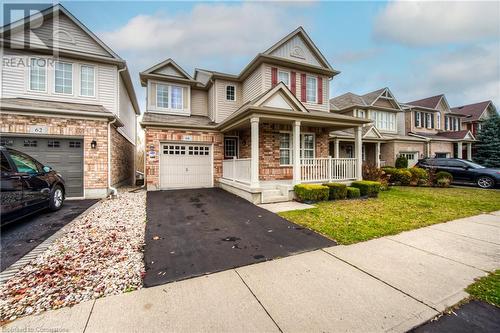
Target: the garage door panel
(185, 166)
(63, 155)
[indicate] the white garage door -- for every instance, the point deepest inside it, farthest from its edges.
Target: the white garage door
(185, 166)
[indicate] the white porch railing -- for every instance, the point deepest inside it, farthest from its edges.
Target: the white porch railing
(237, 169)
(327, 169)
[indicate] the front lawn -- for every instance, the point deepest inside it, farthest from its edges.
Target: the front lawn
(394, 211)
(487, 288)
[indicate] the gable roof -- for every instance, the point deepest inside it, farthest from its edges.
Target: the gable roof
(429, 102)
(455, 135)
(279, 88)
(152, 72)
(302, 33)
(49, 13)
(473, 110)
(349, 100)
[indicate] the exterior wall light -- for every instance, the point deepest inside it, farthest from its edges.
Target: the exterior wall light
(93, 144)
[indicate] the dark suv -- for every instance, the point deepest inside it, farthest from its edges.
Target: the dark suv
(463, 171)
(27, 186)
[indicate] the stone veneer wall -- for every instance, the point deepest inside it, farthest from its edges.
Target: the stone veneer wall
(388, 151)
(443, 147)
(154, 136)
(122, 159)
(95, 160)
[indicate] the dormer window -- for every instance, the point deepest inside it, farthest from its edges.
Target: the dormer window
(284, 77)
(169, 97)
(230, 93)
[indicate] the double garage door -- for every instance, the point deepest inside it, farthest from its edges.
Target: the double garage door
(63, 155)
(185, 166)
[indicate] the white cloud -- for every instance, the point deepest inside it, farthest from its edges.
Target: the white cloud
(466, 75)
(418, 23)
(356, 56)
(208, 30)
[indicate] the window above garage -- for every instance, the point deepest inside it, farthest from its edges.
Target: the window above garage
(169, 98)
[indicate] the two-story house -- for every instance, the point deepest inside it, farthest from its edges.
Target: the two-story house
(384, 138)
(67, 100)
(255, 133)
(433, 120)
(475, 114)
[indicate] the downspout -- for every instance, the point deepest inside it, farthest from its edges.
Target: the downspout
(112, 191)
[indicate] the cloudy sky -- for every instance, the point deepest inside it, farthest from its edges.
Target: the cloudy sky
(417, 49)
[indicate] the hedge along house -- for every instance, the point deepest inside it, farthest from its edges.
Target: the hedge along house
(384, 138)
(432, 119)
(255, 134)
(67, 100)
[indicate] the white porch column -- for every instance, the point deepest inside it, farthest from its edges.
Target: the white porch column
(469, 151)
(336, 151)
(358, 152)
(296, 152)
(254, 163)
(377, 154)
(427, 149)
(459, 149)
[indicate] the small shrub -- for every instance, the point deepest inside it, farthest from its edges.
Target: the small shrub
(367, 187)
(418, 176)
(371, 172)
(443, 182)
(311, 192)
(444, 174)
(401, 162)
(389, 174)
(337, 191)
(353, 192)
(404, 176)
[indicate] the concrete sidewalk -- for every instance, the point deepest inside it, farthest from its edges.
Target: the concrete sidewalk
(389, 284)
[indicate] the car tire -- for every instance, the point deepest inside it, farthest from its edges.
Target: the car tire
(485, 182)
(56, 198)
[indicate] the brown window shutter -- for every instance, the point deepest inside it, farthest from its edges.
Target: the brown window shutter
(293, 85)
(274, 76)
(320, 90)
(303, 88)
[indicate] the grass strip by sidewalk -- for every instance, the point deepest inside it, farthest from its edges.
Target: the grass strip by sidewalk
(487, 288)
(396, 210)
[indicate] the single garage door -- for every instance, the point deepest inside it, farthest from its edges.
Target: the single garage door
(63, 155)
(185, 166)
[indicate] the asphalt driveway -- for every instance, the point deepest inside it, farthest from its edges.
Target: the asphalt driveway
(22, 236)
(195, 232)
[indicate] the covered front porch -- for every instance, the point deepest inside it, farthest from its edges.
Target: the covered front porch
(260, 153)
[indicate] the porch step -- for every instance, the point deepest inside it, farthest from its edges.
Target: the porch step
(273, 199)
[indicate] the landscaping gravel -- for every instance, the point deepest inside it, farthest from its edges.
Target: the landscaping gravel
(100, 254)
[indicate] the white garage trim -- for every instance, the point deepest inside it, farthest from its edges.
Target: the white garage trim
(187, 145)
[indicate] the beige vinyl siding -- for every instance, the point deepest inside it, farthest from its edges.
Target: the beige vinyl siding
(127, 114)
(199, 102)
(296, 43)
(15, 82)
(225, 108)
(253, 84)
(69, 36)
(169, 71)
(211, 102)
(312, 106)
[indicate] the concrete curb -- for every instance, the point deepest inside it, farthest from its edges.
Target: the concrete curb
(26, 259)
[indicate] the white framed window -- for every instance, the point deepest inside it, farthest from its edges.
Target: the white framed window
(284, 77)
(438, 120)
(385, 121)
(230, 93)
(428, 120)
(285, 148)
(417, 119)
(63, 78)
(361, 113)
(311, 89)
(446, 123)
(162, 96)
(38, 74)
(171, 97)
(87, 80)
(307, 145)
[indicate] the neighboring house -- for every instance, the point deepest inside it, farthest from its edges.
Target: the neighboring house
(475, 114)
(67, 99)
(255, 133)
(384, 138)
(432, 119)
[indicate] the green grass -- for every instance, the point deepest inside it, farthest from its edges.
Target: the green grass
(396, 210)
(487, 288)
